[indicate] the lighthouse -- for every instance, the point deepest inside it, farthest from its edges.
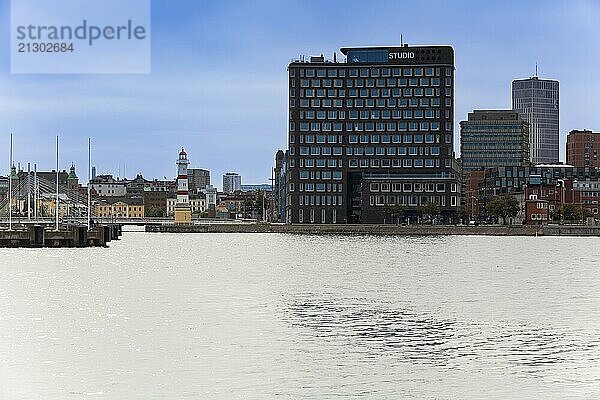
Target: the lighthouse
(183, 212)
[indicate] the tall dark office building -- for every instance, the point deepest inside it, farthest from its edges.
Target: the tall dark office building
(536, 100)
(198, 179)
(371, 135)
(493, 138)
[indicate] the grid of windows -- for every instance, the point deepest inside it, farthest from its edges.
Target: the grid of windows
(348, 119)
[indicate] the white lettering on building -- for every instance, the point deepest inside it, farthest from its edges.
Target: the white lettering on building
(401, 55)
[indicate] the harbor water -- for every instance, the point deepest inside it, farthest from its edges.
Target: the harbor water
(264, 316)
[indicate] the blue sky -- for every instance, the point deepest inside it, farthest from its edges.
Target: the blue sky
(218, 85)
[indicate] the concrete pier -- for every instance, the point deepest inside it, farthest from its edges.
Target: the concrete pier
(67, 236)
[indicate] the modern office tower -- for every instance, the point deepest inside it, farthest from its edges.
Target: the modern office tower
(493, 138)
(371, 135)
(198, 179)
(536, 100)
(231, 182)
(582, 148)
(183, 211)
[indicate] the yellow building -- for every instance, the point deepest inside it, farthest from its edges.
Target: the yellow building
(120, 207)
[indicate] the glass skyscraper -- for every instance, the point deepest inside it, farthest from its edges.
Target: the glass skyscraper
(536, 100)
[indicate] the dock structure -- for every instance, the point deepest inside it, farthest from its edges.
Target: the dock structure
(36, 236)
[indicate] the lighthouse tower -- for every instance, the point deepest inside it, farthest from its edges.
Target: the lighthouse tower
(183, 211)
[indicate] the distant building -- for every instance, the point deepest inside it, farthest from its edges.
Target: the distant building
(211, 200)
(136, 185)
(582, 148)
(3, 186)
(47, 178)
(263, 187)
(197, 203)
(493, 138)
(107, 186)
(586, 192)
(536, 211)
(72, 179)
(198, 179)
(232, 182)
(472, 180)
(536, 100)
(119, 207)
(169, 186)
(155, 202)
(554, 183)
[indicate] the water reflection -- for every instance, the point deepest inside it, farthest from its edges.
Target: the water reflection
(424, 338)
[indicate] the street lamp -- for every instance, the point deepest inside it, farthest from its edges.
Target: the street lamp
(581, 213)
(562, 201)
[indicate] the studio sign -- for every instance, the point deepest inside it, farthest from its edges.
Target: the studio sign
(401, 55)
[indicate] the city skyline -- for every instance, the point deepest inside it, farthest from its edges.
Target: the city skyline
(213, 85)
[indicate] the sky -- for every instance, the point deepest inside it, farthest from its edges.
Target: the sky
(218, 81)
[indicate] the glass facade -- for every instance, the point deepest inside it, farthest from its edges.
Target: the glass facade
(494, 138)
(536, 100)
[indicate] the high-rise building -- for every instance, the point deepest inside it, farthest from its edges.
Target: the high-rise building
(493, 138)
(536, 100)
(371, 135)
(198, 179)
(582, 148)
(232, 182)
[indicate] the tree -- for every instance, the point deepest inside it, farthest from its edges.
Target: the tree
(259, 204)
(464, 213)
(247, 208)
(503, 207)
(393, 213)
(574, 213)
(155, 212)
(431, 210)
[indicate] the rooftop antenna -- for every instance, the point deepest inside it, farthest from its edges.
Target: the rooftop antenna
(35, 191)
(57, 189)
(401, 41)
(536, 72)
(10, 184)
(89, 185)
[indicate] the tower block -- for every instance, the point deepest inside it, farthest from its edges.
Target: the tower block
(183, 211)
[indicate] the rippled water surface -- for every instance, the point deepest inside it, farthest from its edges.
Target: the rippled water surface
(209, 316)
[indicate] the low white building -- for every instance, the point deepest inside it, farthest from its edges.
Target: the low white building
(110, 189)
(197, 204)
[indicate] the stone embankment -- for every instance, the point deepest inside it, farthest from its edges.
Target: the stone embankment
(415, 230)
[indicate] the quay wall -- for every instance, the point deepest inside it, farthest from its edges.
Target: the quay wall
(417, 230)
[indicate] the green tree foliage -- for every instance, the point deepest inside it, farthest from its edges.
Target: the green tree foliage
(464, 213)
(503, 207)
(154, 212)
(393, 213)
(573, 212)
